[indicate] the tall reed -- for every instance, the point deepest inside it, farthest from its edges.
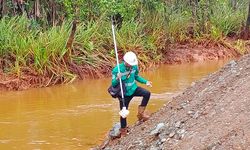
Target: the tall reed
(23, 44)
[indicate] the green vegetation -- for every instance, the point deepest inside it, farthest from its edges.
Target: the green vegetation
(36, 37)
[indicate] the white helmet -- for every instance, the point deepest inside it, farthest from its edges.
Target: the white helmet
(130, 58)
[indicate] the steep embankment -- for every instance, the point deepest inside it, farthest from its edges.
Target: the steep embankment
(176, 53)
(213, 113)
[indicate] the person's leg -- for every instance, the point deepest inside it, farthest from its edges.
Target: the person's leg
(123, 121)
(144, 93)
(141, 108)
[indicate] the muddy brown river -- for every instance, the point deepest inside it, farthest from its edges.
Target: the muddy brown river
(77, 116)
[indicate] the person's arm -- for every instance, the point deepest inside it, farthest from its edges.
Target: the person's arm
(114, 77)
(139, 78)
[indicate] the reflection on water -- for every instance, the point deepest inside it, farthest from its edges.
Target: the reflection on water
(77, 116)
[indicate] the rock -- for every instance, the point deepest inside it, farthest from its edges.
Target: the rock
(178, 124)
(181, 131)
(115, 131)
(179, 107)
(181, 136)
(131, 146)
(233, 71)
(177, 136)
(157, 129)
(213, 146)
(168, 130)
(162, 136)
(190, 112)
(184, 105)
(154, 148)
(163, 140)
(238, 74)
(159, 143)
(232, 63)
(138, 142)
(196, 115)
(172, 134)
(221, 79)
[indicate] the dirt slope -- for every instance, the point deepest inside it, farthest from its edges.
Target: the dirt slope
(213, 113)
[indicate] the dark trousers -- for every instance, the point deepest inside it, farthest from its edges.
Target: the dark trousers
(139, 92)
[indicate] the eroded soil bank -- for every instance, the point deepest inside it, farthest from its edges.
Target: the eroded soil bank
(179, 53)
(213, 113)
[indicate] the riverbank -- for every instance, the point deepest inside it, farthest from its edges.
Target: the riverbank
(187, 52)
(211, 114)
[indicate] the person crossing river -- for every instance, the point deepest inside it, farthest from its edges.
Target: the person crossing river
(129, 74)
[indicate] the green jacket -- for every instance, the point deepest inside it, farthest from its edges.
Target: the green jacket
(129, 81)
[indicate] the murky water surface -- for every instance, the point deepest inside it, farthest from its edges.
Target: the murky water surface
(78, 115)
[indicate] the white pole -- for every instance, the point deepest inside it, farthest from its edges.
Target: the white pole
(117, 60)
(124, 112)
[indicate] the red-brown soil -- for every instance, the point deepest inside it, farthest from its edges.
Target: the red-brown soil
(197, 52)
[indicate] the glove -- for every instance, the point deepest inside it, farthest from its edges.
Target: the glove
(119, 75)
(149, 83)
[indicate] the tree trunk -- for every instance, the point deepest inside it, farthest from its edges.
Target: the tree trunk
(89, 9)
(26, 8)
(233, 4)
(37, 12)
(69, 45)
(53, 12)
(2, 8)
(206, 15)
(19, 6)
(194, 5)
(14, 7)
(246, 35)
